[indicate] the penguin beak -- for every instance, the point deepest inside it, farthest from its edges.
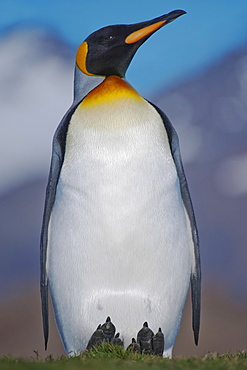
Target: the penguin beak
(146, 29)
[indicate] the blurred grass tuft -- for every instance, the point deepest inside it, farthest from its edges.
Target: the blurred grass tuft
(108, 357)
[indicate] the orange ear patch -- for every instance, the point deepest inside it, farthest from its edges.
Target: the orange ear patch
(81, 57)
(139, 34)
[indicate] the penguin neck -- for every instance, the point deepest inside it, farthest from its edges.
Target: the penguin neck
(83, 84)
(111, 90)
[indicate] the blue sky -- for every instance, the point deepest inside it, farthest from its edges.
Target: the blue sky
(210, 29)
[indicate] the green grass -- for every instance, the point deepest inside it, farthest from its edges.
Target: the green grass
(107, 357)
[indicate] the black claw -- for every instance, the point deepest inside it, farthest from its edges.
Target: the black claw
(134, 347)
(96, 338)
(116, 341)
(108, 330)
(158, 343)
(144, 338)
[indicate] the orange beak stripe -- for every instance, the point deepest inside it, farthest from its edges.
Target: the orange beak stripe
(139, 34)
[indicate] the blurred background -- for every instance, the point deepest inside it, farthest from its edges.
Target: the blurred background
(195, 69)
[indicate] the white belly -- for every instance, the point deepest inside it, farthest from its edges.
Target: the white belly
(120, 244)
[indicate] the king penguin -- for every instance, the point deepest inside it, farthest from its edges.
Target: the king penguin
(119, 237)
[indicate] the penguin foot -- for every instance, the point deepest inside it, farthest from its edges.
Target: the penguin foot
(105, 333)
(158, 343)
(146, 342)
(134, 346)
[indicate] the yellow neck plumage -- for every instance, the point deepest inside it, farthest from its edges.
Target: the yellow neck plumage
(111, 90)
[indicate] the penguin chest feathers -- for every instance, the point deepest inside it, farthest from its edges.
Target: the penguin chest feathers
(117, 148)
(118, 175)
(114, 125)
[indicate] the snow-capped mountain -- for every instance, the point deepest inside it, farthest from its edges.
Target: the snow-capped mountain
(36, 84)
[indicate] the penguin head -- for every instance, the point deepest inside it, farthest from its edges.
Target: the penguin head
(109, 50)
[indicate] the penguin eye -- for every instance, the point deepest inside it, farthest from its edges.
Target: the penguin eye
(105, 40)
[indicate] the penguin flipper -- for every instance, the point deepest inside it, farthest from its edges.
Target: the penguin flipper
(196, 273)
(58, 149)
